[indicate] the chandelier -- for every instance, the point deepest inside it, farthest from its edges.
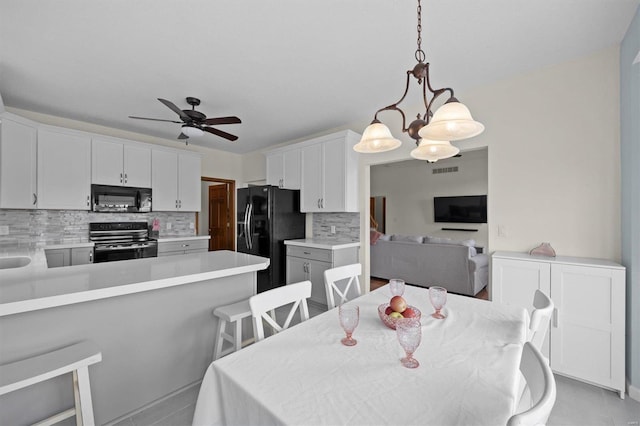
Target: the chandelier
(432, 132)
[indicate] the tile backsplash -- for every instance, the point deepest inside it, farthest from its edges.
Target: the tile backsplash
(347, 226)
(37, 228)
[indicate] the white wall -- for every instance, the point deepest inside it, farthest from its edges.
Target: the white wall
(409, 187)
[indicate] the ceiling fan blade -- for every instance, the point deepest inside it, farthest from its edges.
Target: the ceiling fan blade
(182, 136)
(175, 109)
(222, 120)
(220, 133)
(155, 119)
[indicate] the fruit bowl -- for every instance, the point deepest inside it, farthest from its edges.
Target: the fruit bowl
(391, 322)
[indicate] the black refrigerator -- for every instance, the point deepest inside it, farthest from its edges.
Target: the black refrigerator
(268, 215)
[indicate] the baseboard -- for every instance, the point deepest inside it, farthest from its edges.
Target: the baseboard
(634, 392)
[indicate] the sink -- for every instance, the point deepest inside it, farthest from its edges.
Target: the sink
(14, 262)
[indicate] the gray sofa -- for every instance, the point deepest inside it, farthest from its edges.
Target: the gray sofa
(428, 261)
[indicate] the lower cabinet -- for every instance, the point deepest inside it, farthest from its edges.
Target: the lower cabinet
(68, 256)
(186, 246)
(586, 335)
(309, 263)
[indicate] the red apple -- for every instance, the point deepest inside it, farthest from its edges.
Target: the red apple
(398, 304)
(388, 310)
(409, 313)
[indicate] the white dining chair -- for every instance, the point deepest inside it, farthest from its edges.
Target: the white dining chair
(262, 304)
(539, 397)
(540, 318)
(334, 283)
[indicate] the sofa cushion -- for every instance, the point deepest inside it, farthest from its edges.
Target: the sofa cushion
(441, 240)
(407, 238)
(385, 237)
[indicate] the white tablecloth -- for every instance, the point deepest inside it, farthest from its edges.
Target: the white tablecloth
(468, 372)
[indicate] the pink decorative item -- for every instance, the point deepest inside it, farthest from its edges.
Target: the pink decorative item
(390, 321)
(543, 249)
(374, 235)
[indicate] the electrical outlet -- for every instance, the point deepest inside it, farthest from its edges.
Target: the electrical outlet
(333, 229)
(168, 226)
(191, 225)
(4, 230)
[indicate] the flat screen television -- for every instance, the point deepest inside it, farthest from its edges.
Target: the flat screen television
(462, 209)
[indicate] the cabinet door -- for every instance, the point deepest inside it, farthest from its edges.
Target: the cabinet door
(587, 334)
(334, 176)
(275, 169)
(64, 171)
(189, 193)
(296, 270)
(81, 255)
(311, 190)
(106, 162)
(164, 180)
(18, 145)
(137, 166)
(57, 258)
(515, 282)
(291, 166)
(316, 276)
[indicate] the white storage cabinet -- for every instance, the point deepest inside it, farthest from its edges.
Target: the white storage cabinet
(64, 169)
(330, 174)
(68, 256)
(586, 335)
(119, 163)
(18, 146)
(186, 246)
(175, 181)
(283, 168)
(309, 263)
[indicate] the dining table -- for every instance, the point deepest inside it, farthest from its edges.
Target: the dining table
(468, 372)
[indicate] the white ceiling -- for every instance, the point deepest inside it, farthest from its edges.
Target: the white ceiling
(287, 68)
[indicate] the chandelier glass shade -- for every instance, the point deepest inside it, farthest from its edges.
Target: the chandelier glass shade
(433, 151)
(191, 131)
(432, 132)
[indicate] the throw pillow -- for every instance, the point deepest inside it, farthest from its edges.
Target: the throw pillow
(385, 237)
(438, 240)
(407, 238)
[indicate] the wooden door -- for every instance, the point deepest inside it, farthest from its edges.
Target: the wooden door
(219, 218)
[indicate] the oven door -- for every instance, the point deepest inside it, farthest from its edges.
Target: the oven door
(111, 254)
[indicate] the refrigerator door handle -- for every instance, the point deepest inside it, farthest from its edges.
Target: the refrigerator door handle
(246, 225)
(250, 225)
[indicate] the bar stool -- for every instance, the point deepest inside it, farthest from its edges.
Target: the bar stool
(74, 359)
(228, 314)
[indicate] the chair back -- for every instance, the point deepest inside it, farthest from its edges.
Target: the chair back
(540, 318)
(262, 304)
(535, 406)
(334, 288)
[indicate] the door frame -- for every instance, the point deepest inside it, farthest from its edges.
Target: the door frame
(231, 193)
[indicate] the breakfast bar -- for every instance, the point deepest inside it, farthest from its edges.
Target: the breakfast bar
(151, 319)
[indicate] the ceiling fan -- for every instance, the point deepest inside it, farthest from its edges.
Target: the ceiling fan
(194, 123)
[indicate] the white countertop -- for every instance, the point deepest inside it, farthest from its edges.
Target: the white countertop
(322, 243)
(195, 237)
(35, 287)
(581, 261)
(68, 245)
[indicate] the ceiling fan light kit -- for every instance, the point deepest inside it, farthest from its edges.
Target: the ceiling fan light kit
(194, 123)
(432, 132)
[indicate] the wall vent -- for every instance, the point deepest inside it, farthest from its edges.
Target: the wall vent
(445, 170)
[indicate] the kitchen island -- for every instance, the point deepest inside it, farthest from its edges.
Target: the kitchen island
(150, 317)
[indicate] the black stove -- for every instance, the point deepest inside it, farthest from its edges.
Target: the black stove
(121, 241)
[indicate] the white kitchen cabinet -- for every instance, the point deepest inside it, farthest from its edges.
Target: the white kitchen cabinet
(283, 168)
(586, 335)
(309, 263)
(68, 256)
(329, 180)
(175, 181)
(64, 170)
(119, 163)
(182, 246)
(18, 147)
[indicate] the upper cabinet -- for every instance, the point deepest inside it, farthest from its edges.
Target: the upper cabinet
(329, 180)
(283, 168)
(64, 170)
(18, 144)
(175, 181)
(120, 163)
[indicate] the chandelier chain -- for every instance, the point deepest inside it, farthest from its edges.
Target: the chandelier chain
(420, 56)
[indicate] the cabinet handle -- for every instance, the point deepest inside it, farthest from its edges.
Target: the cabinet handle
(125, 178)
(88, 200)
(306, 252)
(176, 204)
(35, 199)
(185, 245)
(318, 202)
(120, 177)
(556, 319)
(91, 257)
(322, 202)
